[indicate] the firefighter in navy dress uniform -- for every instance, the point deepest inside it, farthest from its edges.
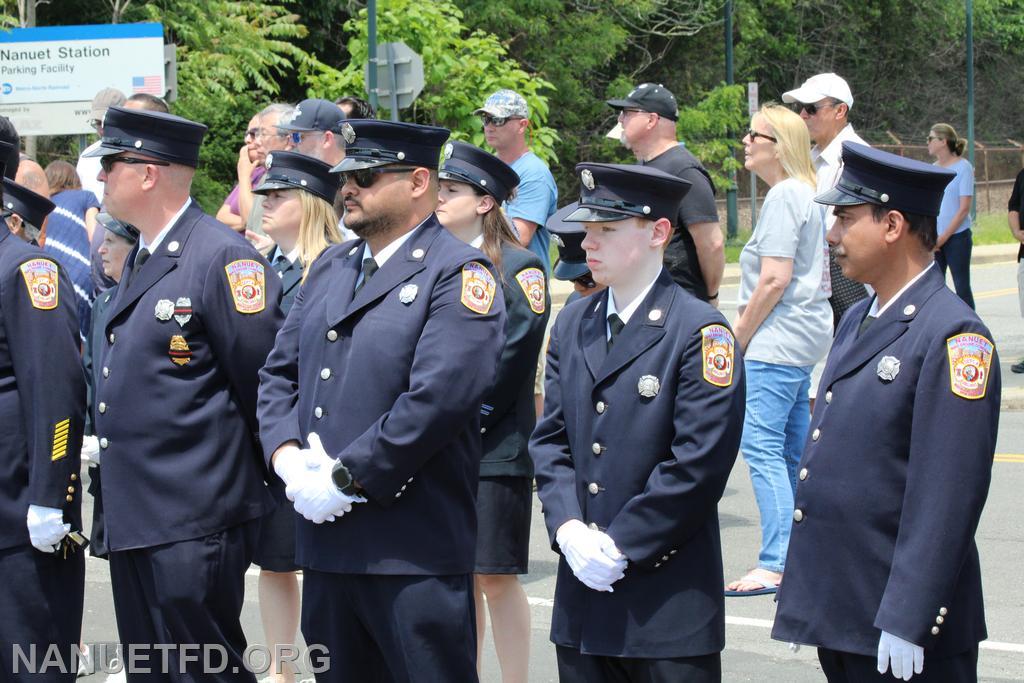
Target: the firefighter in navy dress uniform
(883, 571)
(474, 185)
(192, 322)
(370, 414)
(642, 419)
(42, 414)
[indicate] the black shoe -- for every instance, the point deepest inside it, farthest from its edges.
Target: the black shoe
(1018, 368)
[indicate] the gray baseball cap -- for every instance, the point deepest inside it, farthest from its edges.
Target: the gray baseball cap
(505, 103)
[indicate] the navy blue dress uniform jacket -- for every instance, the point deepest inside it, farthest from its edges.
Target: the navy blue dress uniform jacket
(892, 483)
(508, 415)
(649, 471)
(176, 399)
(98, 534)
(42, 389)
(392, 381)
(291, 280)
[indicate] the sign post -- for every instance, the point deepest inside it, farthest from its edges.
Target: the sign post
(399, 73)
(752, 106)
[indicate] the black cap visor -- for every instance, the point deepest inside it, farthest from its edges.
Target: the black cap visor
(569, 270)
(837, 196)
(586, 214)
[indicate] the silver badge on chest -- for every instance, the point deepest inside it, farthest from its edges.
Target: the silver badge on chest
(408, 294)
(648, 386)
(888, 368)
(164, 310)
(183, 310)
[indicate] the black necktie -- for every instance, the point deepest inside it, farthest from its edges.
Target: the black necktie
(369, 268)
(140, 258)
(615, 324)
(865, 324)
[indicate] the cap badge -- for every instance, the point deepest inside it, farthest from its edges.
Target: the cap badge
(449, 149)
(557, 240)
(348, 133)
(888, 368)
(648, 386)
(270, 160)
(408, 294)
(164, 310)
(587, 178)
(182, 310)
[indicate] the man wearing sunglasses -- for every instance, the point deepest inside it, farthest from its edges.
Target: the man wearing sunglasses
(506, 119)
(695, 256)
(88, 167)
(314, 127)
(191, 323)
(824, 102)
(370, 413)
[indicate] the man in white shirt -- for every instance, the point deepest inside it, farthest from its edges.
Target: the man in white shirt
(825, 101)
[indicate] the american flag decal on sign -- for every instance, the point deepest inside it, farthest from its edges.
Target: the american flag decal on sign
(153, 85)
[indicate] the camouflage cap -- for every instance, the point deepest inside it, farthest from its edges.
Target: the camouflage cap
(505, 103)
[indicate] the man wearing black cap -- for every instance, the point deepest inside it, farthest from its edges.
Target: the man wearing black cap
(899, 459)
(26, 211)
(695, 257)
(370, 413)
(42, 410)
(193, 319)
(642, 421)
(571, 265)
(315, 129)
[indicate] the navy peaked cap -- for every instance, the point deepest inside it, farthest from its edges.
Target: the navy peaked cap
(369, 143)
(291, 170)
(614, 192)
(152, 133)
(467, 163)
(33, 208)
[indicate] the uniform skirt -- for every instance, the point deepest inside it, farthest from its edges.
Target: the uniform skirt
(276, 549)
(503, 507)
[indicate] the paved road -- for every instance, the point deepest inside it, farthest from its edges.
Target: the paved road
(750, 654)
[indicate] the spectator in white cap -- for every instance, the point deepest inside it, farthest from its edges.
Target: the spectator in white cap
(89, 167)
(506, 118)
(824, 104)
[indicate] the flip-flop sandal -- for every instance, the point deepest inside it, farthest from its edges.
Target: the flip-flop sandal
(767, 588)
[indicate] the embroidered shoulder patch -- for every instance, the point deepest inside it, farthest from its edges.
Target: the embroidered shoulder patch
(718, 348)
(970, 358)
(60, 439)
(478, 287)
(532, 282)
(247, 282)
(41, 279)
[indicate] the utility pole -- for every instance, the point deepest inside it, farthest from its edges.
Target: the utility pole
(730, 196)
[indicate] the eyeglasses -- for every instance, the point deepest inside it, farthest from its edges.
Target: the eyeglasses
(261, 134)
(252, 133)
(107, 162)
(366, 177)
(624, 113)
(585, 281)
(754, 135)
(813, 109)
(497, 121)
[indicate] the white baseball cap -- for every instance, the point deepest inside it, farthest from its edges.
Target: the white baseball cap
(818, 88)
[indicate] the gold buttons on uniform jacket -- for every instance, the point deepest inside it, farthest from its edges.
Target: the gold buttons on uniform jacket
(74, 477)
(815, 434)
(798, 515)
(69, 499)
(71, 489)
(325, 373)
(332, 335)
(943, 611)
(600, 407)
(939, 620)
(803, 474)
(593, 488)
(935, 630)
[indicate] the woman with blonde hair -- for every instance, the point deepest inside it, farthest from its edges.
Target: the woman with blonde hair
(784, 328)
(298, 215)
(954, 245)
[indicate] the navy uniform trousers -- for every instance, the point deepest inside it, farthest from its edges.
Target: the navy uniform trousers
(391, 378)
(183, 481)
(42, 414)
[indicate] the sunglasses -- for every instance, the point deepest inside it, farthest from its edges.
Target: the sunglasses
(107, 162)
(586, 281)
(497, 121)
(366, 177)
(754, 135)
(813, 109)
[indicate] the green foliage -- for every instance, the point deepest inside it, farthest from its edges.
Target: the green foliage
(709, 130)
(461, 68)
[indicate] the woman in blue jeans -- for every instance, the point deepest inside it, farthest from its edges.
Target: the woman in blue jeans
(784, 328)
(954, 245)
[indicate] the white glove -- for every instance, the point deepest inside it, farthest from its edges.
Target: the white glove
(314, 492)
(290, 465)
(46, 527)
(903, 657)
(90, 450)
(584, 550)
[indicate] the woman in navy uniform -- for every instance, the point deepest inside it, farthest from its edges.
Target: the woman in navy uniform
(642, 419)
(370, 413)
(474, 184)
(883, 570)
(42, 413)
(193, 320)
(298, 215)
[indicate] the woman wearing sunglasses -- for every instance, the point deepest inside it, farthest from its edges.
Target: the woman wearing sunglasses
(784, 328)
(298, 215)
(473, 186)
(954, 222)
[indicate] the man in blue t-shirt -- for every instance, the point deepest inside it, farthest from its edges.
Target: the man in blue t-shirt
(506, 118)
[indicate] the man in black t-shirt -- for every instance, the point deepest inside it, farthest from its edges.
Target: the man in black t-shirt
(647, 126)
(1014, 208)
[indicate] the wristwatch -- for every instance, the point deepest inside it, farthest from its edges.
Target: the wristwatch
(342, 478)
